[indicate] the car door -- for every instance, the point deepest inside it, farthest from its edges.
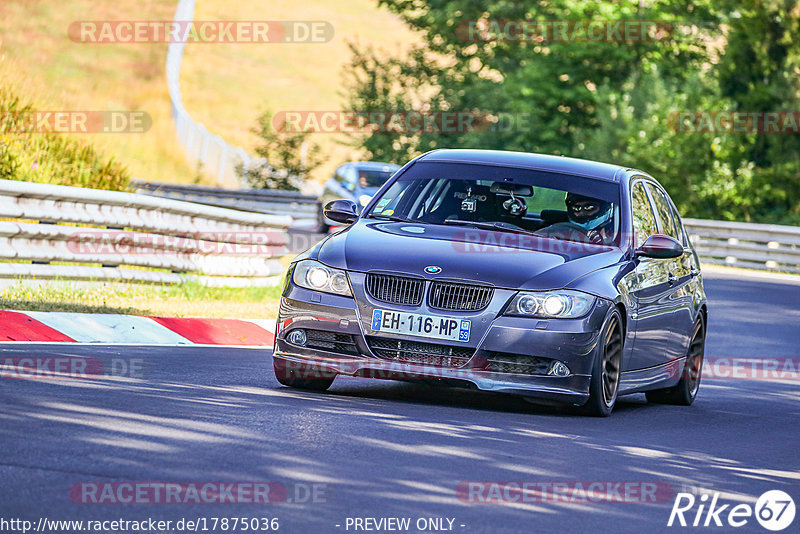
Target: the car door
(650, 290)
(681, 271)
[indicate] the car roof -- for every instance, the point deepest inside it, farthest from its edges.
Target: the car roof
(373, 165)
(542, 162)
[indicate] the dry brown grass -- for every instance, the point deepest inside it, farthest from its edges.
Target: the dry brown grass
(225, 86)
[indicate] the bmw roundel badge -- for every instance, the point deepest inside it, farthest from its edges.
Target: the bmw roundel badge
(433, 269)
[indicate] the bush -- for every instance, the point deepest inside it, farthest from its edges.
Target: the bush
(49, 157)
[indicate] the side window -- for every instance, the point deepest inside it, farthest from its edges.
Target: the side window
(339, 174)
(644, 223)
(678, 225)
(348, 178)
(663, 210)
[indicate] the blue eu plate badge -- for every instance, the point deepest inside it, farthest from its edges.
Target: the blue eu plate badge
(377, 316)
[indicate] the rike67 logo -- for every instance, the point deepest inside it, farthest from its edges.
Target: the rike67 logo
(774, 510)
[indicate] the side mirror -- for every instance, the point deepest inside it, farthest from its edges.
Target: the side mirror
(660, 246)
(341, 211)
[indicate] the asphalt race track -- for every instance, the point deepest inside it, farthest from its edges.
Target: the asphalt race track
(391, 449)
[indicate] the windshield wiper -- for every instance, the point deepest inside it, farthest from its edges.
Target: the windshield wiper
(497, 226)
(392, 218)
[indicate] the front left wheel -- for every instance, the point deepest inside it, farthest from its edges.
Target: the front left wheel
(604, 384)
(685, 391)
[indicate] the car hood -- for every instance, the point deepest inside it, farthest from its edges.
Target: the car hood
(502, 259)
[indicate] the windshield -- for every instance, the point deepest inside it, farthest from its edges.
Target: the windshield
(546, 204)
(373, 177)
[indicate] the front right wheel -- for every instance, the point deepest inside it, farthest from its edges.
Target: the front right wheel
(302, 376)
(604, 384)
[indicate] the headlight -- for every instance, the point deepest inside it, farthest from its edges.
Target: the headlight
(312, 274)
(564, 304)
(364, 200)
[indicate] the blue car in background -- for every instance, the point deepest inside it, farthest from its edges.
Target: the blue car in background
(356, 181)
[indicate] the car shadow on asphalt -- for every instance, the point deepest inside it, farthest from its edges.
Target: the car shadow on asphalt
(466, 398)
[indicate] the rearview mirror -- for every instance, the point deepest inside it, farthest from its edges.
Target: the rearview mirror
(507, 188)
(660, 246)
(341, 211)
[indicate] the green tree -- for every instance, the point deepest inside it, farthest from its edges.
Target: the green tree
(287, 157)
(547, 86)
(612, 101)
(759, 71)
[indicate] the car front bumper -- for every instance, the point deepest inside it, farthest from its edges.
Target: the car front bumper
(572, 342)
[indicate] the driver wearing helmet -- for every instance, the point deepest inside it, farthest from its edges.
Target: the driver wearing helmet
(592, 215)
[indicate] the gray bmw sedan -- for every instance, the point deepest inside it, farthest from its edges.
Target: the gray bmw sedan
(562, 280)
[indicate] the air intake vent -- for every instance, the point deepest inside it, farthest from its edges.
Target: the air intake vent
(434, 354)
(331, 341)
(520, 364)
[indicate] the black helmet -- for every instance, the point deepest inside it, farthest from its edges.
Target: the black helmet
(582, 209)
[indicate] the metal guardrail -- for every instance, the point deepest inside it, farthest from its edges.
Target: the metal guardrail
(303, 209)
(202, 147)
(73, 233)
(755, 246)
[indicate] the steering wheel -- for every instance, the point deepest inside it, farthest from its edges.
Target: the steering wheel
(564, 226)
(509, 225)
(569, 228)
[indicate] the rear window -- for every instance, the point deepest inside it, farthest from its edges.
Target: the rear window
(373, 177)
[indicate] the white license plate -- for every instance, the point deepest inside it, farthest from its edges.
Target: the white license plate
(417, 324)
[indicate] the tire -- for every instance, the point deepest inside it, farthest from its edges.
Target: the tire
(302, 376)
(685, 391)
(606, 368)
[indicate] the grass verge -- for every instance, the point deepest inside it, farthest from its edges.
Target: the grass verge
(186, 300)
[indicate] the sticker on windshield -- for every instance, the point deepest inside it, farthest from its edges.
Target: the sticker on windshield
(387, 212)
(382, 204)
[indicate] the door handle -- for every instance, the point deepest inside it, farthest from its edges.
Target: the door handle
(672, 279)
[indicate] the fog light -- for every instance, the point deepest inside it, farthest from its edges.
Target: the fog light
(297, 337)
(558, 369)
